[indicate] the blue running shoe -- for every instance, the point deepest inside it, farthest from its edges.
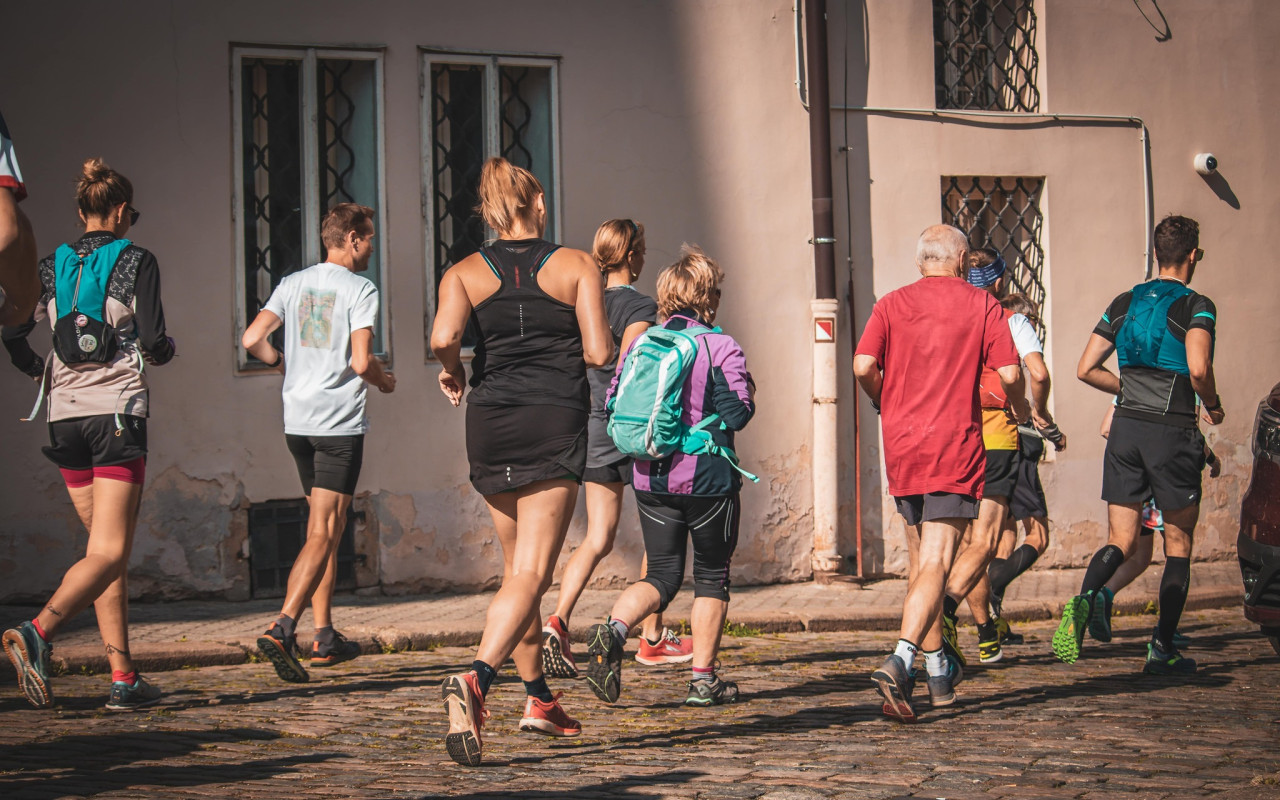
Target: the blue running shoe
(30, 654)
(131, 697)
(1100, 615)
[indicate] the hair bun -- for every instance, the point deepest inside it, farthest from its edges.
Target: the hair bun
(95, 170)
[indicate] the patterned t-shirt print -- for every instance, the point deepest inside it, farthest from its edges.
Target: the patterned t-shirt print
(315, 318)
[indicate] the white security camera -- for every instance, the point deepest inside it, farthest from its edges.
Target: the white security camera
(1206, 163)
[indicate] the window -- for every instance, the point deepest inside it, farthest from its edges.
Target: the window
(308, 135)
(1003, 213)
(277, 531)
(984, 55)
(475, 107)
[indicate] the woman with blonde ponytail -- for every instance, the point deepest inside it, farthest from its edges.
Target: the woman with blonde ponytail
(619, 251)
(538, 309)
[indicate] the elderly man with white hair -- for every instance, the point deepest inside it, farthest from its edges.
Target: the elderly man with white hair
(919, 360)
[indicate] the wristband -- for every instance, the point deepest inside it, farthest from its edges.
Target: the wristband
(1052, 432)
(1217, 404)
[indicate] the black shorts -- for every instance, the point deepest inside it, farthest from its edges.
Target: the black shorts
(1002, 473)
(1027, 499)
(86, 442)
(617, 472)
(1146, 459)
(327, 462)
(918, 508)
(513, 446)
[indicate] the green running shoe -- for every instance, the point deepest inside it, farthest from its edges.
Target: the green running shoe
(1160, 662)
(1180, 639)
(1069, 637)
(990, 652)
(1100, 616)
(714, 692)
(604, 663)
(951, 640)
(30, 654)
(131, 697)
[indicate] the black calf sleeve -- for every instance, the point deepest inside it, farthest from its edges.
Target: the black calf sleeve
(1022, 559)
(1104, 564)
(1173, 597)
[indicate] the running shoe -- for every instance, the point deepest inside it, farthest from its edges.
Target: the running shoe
(1180, 639)
(557, 660)
(280, 651)
(30, 654)
(951, 639)
(895, 686)
(1069, 637)
(715, 692)
(604, 663)
(990, 652)
(548, 719)
(1007, 636)
(1162, 662)
(335, 652)
(132, 696)
(1100, 615)
(464, 704)
(997, 601)
(670, 649)
(942, 688)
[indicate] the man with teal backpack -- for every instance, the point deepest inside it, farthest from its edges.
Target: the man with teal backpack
(1163, 335)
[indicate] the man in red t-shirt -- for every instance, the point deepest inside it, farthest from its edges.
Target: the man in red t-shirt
(918, 360)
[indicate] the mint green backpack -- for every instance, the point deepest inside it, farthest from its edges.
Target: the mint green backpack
(644, 412)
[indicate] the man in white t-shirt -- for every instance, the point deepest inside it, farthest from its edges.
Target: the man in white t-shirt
(328, 313)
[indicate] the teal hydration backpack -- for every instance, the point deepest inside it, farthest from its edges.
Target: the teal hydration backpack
(644, 419)
(1143, 339)
(81, 333)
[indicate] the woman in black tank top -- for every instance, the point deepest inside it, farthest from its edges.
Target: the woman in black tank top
(539, 312)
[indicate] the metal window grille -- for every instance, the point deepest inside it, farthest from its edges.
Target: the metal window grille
(277, 532)
(1003, 213)
(985, 56)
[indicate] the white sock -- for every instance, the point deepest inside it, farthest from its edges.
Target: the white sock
(935, 663)
(907, 652)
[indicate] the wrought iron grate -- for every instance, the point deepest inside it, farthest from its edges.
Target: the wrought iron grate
(1003, 213)
(985, 56)
(277, 531)
(336, 112)
(457, 125)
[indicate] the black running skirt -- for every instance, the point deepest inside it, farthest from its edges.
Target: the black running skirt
(513, 446)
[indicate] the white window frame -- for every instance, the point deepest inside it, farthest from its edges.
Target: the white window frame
(311, 212)
(492, 144)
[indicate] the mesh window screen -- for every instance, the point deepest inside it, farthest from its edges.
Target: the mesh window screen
(985, 56)
(1003, 213)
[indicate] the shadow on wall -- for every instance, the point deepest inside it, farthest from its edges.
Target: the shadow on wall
(1222, 189)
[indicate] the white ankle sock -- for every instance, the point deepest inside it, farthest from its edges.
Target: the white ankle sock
(935, 663)
(907, 652)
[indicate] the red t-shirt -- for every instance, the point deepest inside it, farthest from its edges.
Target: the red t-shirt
(932, 339)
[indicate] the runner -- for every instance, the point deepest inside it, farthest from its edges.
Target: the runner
(919, 360)
(619, 252)
(328, 313)
(19, 278)
(101, 296)
(538, 309)
(684, 496)
(1163, 335)
(1005, 468)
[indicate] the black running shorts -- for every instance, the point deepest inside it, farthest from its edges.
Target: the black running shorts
(1027, 499)
(918, 508)
(1002, 473)
(327, 462)
(617, 472)
(1145, 459)
(87, 442)
(513, 446)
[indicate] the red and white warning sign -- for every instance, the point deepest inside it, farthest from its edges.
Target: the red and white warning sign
(824, 330)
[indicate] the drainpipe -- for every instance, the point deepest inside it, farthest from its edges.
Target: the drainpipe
(824, 308)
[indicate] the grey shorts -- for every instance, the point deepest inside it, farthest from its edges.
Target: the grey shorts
(918, 508)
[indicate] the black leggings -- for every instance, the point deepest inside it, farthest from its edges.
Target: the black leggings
(668, 521)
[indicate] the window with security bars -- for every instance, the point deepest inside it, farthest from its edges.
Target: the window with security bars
(308, 135)
(476, 107)
(277, 532)
(985, 55)
(1003, 213)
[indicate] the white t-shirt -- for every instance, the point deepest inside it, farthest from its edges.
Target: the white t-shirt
(1024, 336)
(320, 307)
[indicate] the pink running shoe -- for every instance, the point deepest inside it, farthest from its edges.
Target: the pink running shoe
(557, 660)
(465, 705)
(670, 649)
(548, 719)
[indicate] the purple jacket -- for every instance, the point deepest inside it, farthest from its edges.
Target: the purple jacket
(719, 383)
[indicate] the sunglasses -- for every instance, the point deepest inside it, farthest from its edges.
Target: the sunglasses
(133, 214)
(1199, 255)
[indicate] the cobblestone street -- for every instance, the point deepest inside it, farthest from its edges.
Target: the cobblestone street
(809, 727)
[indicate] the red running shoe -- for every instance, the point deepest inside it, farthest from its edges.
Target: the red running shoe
(557, 661)
(670, 649)
(465, 706)
(548, 719)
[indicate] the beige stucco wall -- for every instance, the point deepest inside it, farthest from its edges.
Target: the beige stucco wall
(681, 115)
(1209, 89)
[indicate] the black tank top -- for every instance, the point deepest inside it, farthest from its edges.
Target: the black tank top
(530, 349)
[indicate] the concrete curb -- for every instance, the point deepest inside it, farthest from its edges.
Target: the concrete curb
(157, 657)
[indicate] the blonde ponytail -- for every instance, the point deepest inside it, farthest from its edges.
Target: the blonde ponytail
(507, 195)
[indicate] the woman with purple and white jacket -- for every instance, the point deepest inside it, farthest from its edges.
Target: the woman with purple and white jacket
(685, 497)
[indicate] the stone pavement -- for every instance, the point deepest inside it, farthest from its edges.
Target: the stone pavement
(208, 633)
(808, 727)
